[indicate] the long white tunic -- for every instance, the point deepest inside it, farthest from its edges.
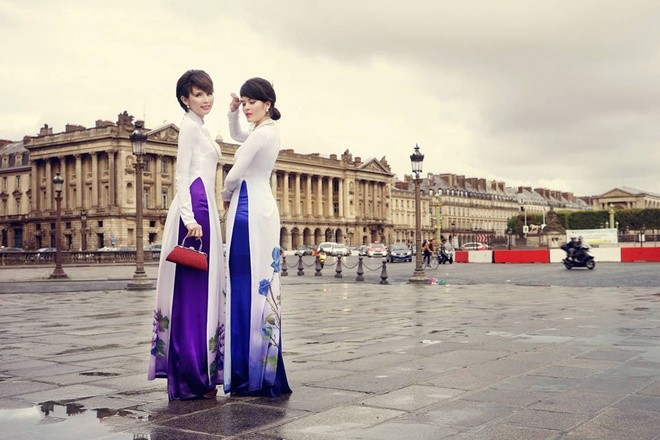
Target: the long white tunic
(197, 157)
(253, 164)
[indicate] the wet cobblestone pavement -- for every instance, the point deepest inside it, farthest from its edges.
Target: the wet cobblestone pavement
(365, 361)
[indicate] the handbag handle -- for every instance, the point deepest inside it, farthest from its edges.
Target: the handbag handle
(199, 249)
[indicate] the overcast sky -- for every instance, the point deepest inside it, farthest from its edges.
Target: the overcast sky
(557, 94)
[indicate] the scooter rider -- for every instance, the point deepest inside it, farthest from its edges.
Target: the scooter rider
(580, 248)
(571, 247)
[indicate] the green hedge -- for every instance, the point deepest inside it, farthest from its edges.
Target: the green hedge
(629, 219)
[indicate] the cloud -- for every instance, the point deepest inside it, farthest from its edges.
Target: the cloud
(562, 92)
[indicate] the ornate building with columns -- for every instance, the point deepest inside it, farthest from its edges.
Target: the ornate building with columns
(98, 199)
(626, 198)
(334, 198)
(14, 193)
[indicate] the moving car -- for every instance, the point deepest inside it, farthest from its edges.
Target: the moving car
(376, 250)
(399, 252)
(362, 251)
(474, 246)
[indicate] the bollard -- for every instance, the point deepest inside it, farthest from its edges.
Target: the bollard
(360, 270)
(318, 267)
(383, 273)
(338, 270)
(283, 270)
(301, 267)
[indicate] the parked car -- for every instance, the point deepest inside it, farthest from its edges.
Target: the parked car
(10, 249)
(45, 253)
(362, 251)
(326, 247)
(399, 252)
(305, 250)
(155, 247)
(340, 249)
(377, 250)
(107, 249)
(474, 246)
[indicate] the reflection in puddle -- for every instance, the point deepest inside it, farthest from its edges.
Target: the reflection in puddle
(55, 421)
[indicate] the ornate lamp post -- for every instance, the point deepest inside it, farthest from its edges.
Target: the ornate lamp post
(138, 141)
(58, 273)
(416, 160)
(83, 229)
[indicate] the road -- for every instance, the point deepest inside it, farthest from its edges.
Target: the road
(604, 275)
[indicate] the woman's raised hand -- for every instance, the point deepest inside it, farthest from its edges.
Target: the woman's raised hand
(235, 102)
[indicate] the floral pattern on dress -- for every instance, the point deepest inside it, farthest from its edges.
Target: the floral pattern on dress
(217, 351)
(270, 330)
(161, 324)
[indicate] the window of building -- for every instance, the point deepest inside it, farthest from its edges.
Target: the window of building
(163, 166)
(145, 199)
(163, 199)
(18, 182)
(4, 184)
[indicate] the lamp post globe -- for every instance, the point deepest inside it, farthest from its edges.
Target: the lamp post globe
(416, 160)
(138, 142)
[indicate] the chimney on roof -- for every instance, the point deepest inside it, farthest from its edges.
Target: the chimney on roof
(70, 128)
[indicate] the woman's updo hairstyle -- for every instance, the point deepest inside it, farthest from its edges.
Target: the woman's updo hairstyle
(261, 90)
(190, 79)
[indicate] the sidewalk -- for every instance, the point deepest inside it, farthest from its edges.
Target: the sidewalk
(365, 361)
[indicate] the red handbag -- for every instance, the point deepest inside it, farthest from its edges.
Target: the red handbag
(189, 256)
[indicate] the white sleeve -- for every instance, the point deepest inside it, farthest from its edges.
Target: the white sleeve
(255, 142)
(182, 175)
(235, 130)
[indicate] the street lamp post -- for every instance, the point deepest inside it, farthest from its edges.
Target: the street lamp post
(138, 141)
(416, 160)
(58, 273)
(83, 230)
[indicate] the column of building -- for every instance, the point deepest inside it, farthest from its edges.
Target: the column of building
(285, 194)
(308, 196)
(36, 191)
(111, 178)
(296, 198)
(79, 180)
(95, 181)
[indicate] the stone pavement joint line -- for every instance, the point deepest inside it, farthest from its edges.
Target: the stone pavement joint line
(365, 361)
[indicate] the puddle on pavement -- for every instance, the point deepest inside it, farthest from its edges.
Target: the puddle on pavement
(70, 421)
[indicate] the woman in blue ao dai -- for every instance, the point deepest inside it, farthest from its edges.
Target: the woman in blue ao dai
(253, 351)
(187, 343)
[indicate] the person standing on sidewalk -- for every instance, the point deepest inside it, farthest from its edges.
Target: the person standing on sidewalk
(428, 250)
(253, 356)
(187, 343)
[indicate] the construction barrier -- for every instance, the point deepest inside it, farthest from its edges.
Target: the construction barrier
(629, 255)
(480, 256)
(461, 257)
(522, 256)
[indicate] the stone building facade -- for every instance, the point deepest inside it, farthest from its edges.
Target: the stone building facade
(99, 193)
(14, 193)
(335, 198)
(626, 198)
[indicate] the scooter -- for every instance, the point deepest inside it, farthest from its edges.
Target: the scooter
(445, 255)
(583, 260)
